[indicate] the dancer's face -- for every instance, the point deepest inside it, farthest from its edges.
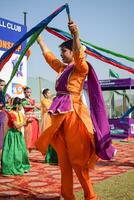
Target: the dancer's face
(49, 94)
(18, 107)
(2, 84)
(28, 93)
(66, 55)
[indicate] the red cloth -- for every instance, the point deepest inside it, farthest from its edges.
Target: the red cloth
(11, 119)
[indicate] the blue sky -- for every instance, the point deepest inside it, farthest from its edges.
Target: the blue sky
(106, 23)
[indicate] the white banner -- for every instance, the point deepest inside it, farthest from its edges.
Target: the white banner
(15, 88)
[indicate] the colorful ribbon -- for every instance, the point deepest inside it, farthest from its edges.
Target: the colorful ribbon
(92, 52)
(7, 55)
(34, 33)
(94, 46)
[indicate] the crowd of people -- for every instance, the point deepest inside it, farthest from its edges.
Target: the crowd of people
(20, 128)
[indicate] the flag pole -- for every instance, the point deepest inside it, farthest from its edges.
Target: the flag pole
(69, 17)
(68, 13)
(109, 74)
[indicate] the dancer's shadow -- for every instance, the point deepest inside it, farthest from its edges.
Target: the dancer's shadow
(21, 197)
(27, 194)
(115, 163)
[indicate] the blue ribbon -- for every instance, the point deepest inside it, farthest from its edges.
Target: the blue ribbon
(41, 25)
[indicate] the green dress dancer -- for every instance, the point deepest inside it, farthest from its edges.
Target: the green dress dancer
(51, 156)
(14, 156)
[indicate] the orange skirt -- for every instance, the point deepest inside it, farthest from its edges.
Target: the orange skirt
(75, 136)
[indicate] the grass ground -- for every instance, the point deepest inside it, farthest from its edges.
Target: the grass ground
(120, 187)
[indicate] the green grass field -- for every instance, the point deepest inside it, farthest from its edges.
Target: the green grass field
(119, 187)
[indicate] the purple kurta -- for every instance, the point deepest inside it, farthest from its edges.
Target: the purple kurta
(62, 104)
(62, 101)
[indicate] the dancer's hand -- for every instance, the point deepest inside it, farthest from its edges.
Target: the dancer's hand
(73, 28)
(42, 44)
(39, 39)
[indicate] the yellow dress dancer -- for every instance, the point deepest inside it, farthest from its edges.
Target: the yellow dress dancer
(51, 155)
(46, 102)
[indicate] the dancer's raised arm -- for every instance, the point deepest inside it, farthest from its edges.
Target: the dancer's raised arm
(50, 58)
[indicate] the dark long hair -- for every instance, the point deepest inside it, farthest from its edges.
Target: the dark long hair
(45, 91)
(16, 101)
(67, 44)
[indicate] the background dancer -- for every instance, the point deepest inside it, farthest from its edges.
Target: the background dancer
(51, 155)
(31, 132)
(14, 154)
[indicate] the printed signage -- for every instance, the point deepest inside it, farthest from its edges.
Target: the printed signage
(10, 32)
